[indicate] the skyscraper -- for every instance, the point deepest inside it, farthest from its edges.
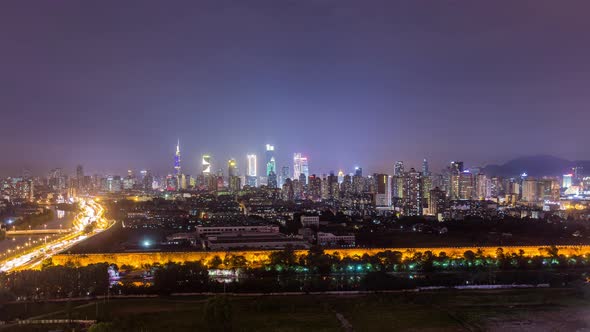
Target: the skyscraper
(232, 168)
(79, 172)
(205, 164)
(530, 190)
(383, 194)
(457, 167)
(398, 169)
(300, 166)
(425, 171)
(251, 168)
(358, 171)
(284, 175)
(412, 199)
(271, 165)
(567, 181)
(340, 177)
(177, 160)
(251, 165)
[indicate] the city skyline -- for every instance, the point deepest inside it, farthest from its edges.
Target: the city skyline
(481, 82)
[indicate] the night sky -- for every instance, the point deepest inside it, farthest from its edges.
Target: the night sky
(113, 84)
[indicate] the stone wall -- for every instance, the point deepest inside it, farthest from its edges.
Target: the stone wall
(258, 258)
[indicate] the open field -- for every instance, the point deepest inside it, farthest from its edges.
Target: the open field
(496, 310)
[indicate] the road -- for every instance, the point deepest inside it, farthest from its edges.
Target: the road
(91, 213)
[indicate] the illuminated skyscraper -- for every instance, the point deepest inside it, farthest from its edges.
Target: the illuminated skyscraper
(271, 165)
(251, 172)
(251, 165)
(232, 168)
(300, 166)
(177, 160)
(205, 164)
(340, 177)
(412, 193)
(567, 181)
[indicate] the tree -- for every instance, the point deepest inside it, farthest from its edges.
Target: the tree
(285, 257)
(215, 262)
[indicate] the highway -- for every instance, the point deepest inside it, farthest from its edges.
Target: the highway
(91, 213)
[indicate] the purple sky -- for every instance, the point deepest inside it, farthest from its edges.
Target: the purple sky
(113, 84)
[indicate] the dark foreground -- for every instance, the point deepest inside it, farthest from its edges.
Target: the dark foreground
(448, 310)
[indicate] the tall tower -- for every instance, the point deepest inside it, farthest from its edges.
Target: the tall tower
(398, 169)
(251, 168)
(206, 164)
(177, 159)
(271, 165)
(425, 171)
(232, 168)
(300, 166)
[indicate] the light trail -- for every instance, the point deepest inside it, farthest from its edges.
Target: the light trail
(91, 212)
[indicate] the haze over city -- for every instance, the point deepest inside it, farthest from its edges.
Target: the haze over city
(113, 85)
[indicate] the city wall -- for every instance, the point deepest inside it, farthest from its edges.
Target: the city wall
(258, 258)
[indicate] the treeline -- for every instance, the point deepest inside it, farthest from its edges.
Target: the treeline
(317, 261)
(315, 271)
(37, 219)
(57, 282)
(318, 271)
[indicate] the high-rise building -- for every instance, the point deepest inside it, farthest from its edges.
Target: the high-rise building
(358, 171)
(530, 190)
(251, 167)
(578, 172)
(413, 202)
(284, 175)
(358, 182)
(272, 180)
(457, 167)
(177, 160)
(346, 186)
(567, 181)
(466, 186)
(80, 177)
(314, 191)
(383, 190)
(300, 166)
(235, 183)
(80, 172)
(206, 165)
(232, 168)
(340, 177)
(481, 187)
(436, 203)
(251, 170)
(425, 170)
(271, 164)
(398, 169)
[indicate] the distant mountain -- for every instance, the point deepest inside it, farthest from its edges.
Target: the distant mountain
(541, 165)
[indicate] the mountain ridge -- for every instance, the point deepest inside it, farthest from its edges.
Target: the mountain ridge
(536, 165)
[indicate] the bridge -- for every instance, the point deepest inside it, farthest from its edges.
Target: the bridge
(37, 231)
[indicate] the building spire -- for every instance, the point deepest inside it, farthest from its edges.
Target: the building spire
(177, 159)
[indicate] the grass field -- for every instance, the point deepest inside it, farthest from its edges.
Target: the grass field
(500, 310)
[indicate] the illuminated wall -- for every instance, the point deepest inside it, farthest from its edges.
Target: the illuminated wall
(258, 258)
